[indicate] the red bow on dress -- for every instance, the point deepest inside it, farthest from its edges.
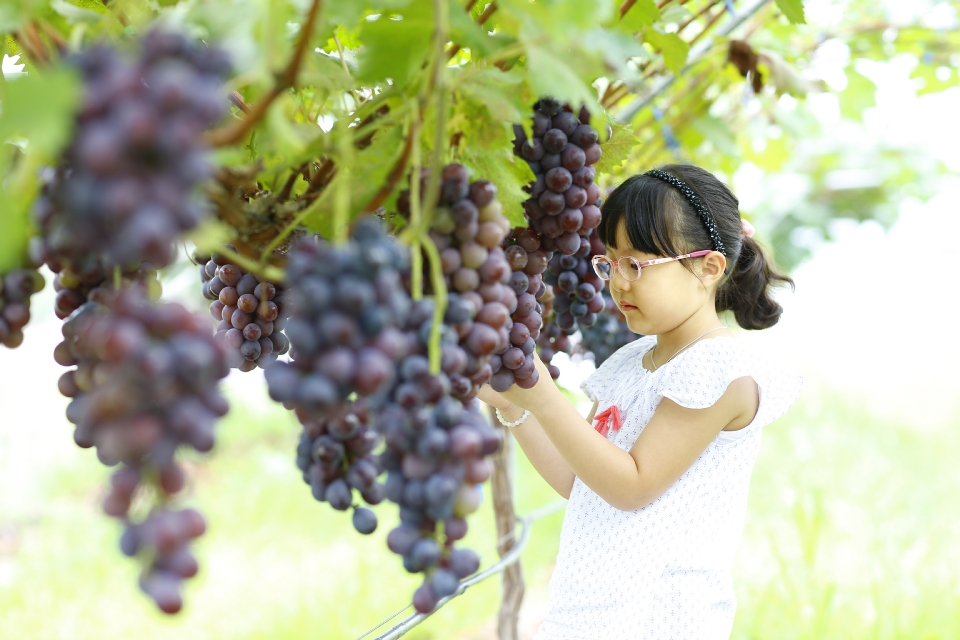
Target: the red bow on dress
(607, 420)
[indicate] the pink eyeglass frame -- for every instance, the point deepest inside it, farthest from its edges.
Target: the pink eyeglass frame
(640, 264)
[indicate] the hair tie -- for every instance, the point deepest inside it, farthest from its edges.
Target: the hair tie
(748, 229)
(697, 203)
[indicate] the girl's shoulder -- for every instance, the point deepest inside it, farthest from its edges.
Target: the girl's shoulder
(699, 376)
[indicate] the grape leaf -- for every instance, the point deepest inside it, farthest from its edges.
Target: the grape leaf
(486, 150)
(793, 10)
(858, 96)
(616, 149)
(642, 14)
(550, 75)
(39, 108)
(393, 49)
(672, 46)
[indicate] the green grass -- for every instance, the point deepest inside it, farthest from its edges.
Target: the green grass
(851, 534)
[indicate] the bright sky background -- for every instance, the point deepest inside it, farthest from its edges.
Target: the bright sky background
(874, 314)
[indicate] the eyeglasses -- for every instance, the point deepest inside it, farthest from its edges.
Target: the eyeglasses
(630, 270)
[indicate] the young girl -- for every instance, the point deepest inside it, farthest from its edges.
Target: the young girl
(657, 477)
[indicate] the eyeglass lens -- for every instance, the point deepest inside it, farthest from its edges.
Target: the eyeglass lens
(629, 268)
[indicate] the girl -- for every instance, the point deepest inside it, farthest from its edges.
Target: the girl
(658, 485)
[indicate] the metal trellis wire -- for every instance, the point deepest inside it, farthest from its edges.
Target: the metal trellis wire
(510, 557)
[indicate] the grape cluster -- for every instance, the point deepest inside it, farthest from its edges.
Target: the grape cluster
(576, 286)
(564, 207)
(125, 188)
(144, 384)
(608, 334)
(468, 227)
(165, 534)
(250, 313)
(348, 305)
(336, 458)
(435, 457)
(527, 262)
(16, 288)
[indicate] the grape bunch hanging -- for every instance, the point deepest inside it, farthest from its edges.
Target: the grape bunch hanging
(563, 212)
(347, 337)
(435, 457)
(125, 187)
(250, 313)
(467, 229)
(144, 384)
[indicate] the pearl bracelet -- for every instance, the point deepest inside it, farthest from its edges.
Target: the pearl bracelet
(525, 415)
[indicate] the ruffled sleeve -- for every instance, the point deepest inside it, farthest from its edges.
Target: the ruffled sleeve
(702, 374)
(614, 370)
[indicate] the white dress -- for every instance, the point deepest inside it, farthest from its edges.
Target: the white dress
(663, 572)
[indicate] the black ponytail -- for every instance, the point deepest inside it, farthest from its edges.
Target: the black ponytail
(747, 289)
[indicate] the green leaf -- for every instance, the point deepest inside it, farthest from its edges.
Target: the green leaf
(642, 14)
(393, 49)
(616, 149)
(550, 75)
(672, 46)
(40, 109)
(859, 95)
(486, 150)
(793, 10)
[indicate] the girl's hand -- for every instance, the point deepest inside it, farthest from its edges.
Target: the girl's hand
(523, 398)
(488, 395)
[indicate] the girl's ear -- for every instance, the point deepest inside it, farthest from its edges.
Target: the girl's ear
(712, 266)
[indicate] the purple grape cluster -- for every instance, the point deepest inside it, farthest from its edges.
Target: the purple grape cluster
(562, 207)
(145, 383)
(166, 534)
(576, 287)
(125, 187)
(336, 458)
(250, 313)
(527, 261)
(435, 456)
(348, 305)
(468, 228)
(16, 288)
(608, 334)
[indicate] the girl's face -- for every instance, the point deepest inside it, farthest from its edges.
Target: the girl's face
(665, 295)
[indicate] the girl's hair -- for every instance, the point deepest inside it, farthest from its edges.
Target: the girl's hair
(661, 221)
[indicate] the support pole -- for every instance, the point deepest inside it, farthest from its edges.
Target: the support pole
(501, 486)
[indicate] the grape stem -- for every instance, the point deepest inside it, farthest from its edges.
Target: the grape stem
(439, 299)
(29, 39)
(286, 79)
(399, 169)
(341, 202)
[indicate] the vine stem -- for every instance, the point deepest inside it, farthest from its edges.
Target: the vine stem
(439, 299)
(287, 78)
(413, 233)
(341, 202)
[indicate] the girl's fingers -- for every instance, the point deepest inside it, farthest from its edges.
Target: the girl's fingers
(488, 395)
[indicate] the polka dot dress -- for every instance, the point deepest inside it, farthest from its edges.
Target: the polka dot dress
(663, 572)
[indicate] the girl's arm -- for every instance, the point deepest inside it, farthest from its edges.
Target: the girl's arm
(668, 446)
(538, 448)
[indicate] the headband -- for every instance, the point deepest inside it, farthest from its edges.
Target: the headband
(694, 200)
